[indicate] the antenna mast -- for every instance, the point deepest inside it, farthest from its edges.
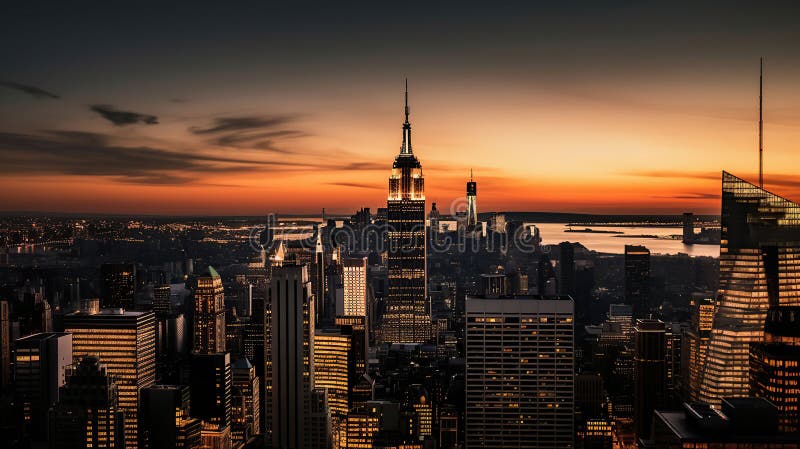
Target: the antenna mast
(761, 124)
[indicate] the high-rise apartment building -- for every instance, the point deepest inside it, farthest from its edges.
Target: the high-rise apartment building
(124, 341)
(759, 268)
(519, 372)
(209, 314)
(405, 319)
(637, 279)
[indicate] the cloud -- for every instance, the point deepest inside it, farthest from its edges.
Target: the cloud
(123, 118)
(226, 124)
(355, 184)
(265, 133)
(33, 91)
(676, 174)
(691, 196)
(89, 154)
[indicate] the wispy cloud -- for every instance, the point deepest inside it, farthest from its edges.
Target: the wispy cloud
(267, 133)
(90, 154)
(355, 185)
(690, 196)
(122, 118)
(33, 91)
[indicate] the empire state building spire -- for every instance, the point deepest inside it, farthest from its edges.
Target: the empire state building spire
(406, 147)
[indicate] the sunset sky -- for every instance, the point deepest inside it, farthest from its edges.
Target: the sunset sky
(625, 107)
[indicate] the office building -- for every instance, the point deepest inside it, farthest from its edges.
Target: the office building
(289, 357)
(318, 278)
(166, 422)
(124, 341)
(354, 282)
(649, 374)
(246, 408)
(406, 319)
(332, 365)
(759, 268)
(637, 279)
(87, 414)
(5, 346)
(211, 384)
(119, 285)
(688, 227)
(775, 366)
(209, 314)
(162, 305)
(39, 371)
(697, 337)
(519, 372)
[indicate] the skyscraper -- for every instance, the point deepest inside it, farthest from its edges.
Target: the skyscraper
(246, 416)
(332, 364)
(405, 319)
(124, 341)
(318, 280)
(566, 269)
(519, 393)
(697, 337)
(211, 385)
(289, 357)
(166, 422)
(119, 284)
(354, 280)
(87, 413)
(637, 279)
(759, 268)
(775, 366)
(5, 346)
(209, 314)
(39, 369)
(472, 207)
(649, 374)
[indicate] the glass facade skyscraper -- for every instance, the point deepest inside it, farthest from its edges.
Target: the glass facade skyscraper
(759, 268)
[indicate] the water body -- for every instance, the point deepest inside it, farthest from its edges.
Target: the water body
(656, 239)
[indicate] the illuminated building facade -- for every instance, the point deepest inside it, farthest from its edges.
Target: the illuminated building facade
(637, 279)
(354, 281)
(87, 413)
(775, 366)
(332, 353)
(697, 337)
(472, 207)
(759, 268)
(405, 319)
(519, 372)
(246, 413)
(5, 346)
(124, 341)
(289, 357)
(209, 314)
(360, 429)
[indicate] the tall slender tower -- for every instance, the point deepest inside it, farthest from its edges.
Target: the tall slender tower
(209, 314)
(761, 124)
(405, 320)
(472, 208)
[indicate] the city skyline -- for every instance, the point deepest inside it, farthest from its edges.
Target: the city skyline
(235, 116)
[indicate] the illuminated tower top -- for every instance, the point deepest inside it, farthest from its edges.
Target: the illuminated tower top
(472, 208)
(406, 181)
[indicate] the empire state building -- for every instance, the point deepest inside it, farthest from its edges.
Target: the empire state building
(405, 319)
